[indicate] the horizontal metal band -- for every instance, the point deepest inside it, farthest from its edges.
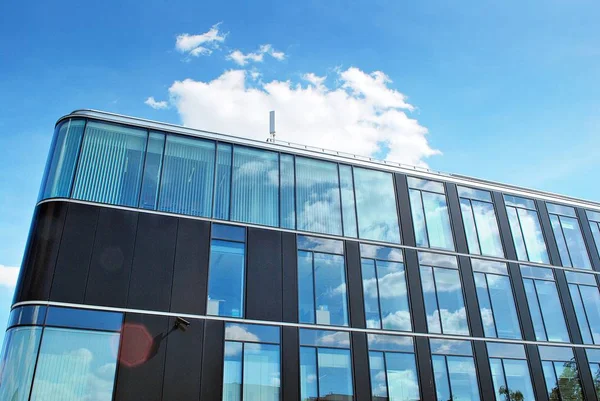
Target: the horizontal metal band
(300, 325)
(319, 235)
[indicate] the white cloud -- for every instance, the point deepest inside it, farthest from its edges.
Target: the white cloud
(8, 276)
(361, 116)
(202, 44)
(156, 105)
(258, 56)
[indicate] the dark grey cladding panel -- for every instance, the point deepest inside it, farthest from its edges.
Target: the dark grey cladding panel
(112, 255)
(41, 252)
(142, 358)
(212, 361)
(403, 199)
(360, 358)
(153, 259)
(183, 364)
(190, 272)
(264, 275)
(290, 364)
(290, 277)
(75, 253)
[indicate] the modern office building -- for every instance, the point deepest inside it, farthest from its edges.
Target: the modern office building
(165, 263)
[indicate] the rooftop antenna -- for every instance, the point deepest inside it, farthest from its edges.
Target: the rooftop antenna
(271, 126)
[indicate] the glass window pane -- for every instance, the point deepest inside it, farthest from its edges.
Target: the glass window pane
(596, 234)
(485, 305)
(519, 202)
(517, 235)
(378, 376)
(110, 164)
(348, 204)
(437, 259)
(75, 364)
(306, 282)
(255, 191)
(581, 278)
(593, 216)
(382, 342)
(534, 310)
(504, 350)
(487, 229)
(472, 193)
(575, 244)
(534, 239)
(463, 378)
(561, 210)
(335, 373)
(393, 296)
(440, 375)
(519, 381)
(550, 305)
(222, 182)
(584, 327)
(320, 244)
(252, 332)
(418, 216)
(503, 305)
(152, 170)
(470, 229)
(451, 311)
(438, 221)
(501, 390)
(543, 273)
(591, 301)
(60, 169)
(451, 347)
(325, 338)
(232, 371)
(488, 266)
(84, 319)
(425, 185)
(261, 372)
(226, 279)
(27, 315)
(318, 196)
(431, 306)
(560, 241)
(402, 376)
(595, 369)
(381, 253)
(551, 353)
(371, 294)
(308, 374)
(288, 187)
(188, 176)
(568, 381)
(18, 362)
(376, 205)
(330, 289)
(227, 232)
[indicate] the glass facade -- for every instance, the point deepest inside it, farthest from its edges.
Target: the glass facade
(586, 300)
(561, 374)
(567, 232)
(593, 356)
(526, 229)
(510, 372)
(481, 225)
(454, 370)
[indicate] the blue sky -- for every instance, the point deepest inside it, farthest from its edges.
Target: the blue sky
(505, 91)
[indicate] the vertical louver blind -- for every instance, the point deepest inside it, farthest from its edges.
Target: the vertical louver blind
(187, 178)
(255, 186)
(287, 193)
(110, 164)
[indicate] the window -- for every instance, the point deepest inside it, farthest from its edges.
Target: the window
(322, 295)
(430, 214)
(496, 300)
(188, 176)
(376, 205)
(481, 225)
(384, 288)
(222, 190)
(288, 190)
(442, 290)
(62, 159)
(586, 299)
(526, 229)
(255, 191)
(318, 196)
(454, 370)
(393, 368)
(152, 170)
(226, 271)
(567, 232)
(561, 374)
(594, 219)
(325, 365)
(110, 164)
(510, 372)
(18, 362)
(251, 369)
(348, 202)
(593, 356)
(544, 304)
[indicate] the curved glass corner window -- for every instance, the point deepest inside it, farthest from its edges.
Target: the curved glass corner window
(586, 300)
(430, 214)
(75, 364)
(384, 288)
(510, 372)
(251, 368)
(393, 368)
(110, 164)
(442, 291)
(376, 205)
(567, 232)
(481, 225)
(526, 229)
(318, 196)
(255, 189)
(188, 176)
(322, 295)
(325, 366)
(62, 160)
(17, 362)
(544, 303)
(561, 373)
(496, 300)
(226, 272)
(454, 371)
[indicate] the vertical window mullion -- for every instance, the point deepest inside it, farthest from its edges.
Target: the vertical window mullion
(317, 371)
(314, 279)
(242, 376)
